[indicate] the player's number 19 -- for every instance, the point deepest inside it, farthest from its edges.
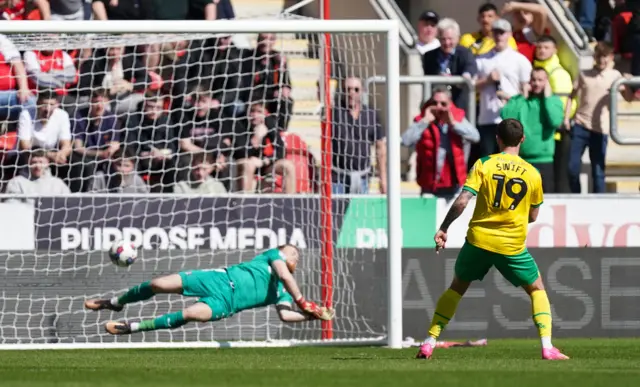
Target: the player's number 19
(506, 187)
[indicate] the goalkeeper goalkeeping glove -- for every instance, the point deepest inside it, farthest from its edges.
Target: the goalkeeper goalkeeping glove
(313, 309)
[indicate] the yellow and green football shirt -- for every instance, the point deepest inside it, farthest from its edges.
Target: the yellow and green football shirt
(507, 187)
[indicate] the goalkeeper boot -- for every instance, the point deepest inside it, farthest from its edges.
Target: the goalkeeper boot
(118, 327)
(553, 353)
(100, 304)
(425, 351)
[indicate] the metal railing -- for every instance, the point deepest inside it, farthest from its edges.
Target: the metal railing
(581, 41)
(614, 93)
(427, 83)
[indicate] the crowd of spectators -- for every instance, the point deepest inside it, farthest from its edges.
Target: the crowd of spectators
(513, 62)
(187, 116)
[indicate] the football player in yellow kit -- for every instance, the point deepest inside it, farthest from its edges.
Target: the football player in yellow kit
(509, 194)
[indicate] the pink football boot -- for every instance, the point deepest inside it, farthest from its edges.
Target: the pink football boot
(425, 351)
(553, 354)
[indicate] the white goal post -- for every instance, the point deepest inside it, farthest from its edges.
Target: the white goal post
(392, 327)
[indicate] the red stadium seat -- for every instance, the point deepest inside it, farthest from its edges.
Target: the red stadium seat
(297, 152)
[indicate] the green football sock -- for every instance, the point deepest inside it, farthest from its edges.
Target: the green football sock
(167, 321)
(137, 293)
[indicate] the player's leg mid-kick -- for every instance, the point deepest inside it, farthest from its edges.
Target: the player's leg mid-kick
(509, 196)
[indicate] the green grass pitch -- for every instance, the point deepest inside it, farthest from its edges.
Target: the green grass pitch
(512, 363)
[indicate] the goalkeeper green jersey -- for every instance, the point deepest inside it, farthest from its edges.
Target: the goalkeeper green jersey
(255, 284)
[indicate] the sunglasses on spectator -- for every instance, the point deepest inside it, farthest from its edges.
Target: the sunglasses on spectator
(498, 32)
(441, 103)
(356, 89)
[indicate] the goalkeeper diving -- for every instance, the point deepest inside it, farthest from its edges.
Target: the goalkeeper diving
(265, 280)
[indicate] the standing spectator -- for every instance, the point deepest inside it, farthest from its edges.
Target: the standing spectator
(562, 86)
(67, 9)
(200, 181)
(620, 37)
(355, 129)
(427, 32)
(48, 129)
(529, 22)
(261, 151)
(502, 73)
(96, 137)
(117, 10)
(441, 136)
(50, 69)
(451, 59)
(587, 16)
(541, 113)
(38, 180)
(208, 132)
(122, 176)
(633, 36)
(14, 87)
(123, 76)
(591, 125)
(224, 9)
(481, 41)
(271, 79)
(151, 135)
(25, 9)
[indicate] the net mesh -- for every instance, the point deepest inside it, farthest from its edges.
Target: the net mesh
(162, 140)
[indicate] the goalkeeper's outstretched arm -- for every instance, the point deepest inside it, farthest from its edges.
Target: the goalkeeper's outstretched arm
(287, 314)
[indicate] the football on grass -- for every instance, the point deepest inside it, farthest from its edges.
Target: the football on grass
(123, 253)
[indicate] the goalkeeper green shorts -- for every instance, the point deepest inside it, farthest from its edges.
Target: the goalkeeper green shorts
(473, 264)
(213, 287)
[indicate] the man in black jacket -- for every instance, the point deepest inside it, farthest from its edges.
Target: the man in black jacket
(451, 59)
(260, 151)
(152, 136)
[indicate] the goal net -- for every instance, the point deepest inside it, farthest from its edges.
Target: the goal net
(202, 149)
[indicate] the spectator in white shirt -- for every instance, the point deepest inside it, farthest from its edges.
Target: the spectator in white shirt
(200, 180)
(38, 181)
(50, 129)
(427, 32)
(14, 88)
(502, 73)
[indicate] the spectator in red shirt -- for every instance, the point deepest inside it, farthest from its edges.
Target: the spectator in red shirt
(25, 9)
(529, 23)
(52, 69)
(442, 136)
(14, 87)
(620, 38)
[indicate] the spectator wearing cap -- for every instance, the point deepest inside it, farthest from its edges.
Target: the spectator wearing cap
(451, 59)
(356, 128)
(427, 32)
(481, 41)
(502, 73)
(546, 57)
(529, 24)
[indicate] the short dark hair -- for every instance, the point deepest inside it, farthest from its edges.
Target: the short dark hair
(46, 94)
(538, 68)
(201, 157)
(124, 153)
(99, 93)
(487, 7)
(38, 153)
(603, 49)
(547, 38)
(510, 132)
